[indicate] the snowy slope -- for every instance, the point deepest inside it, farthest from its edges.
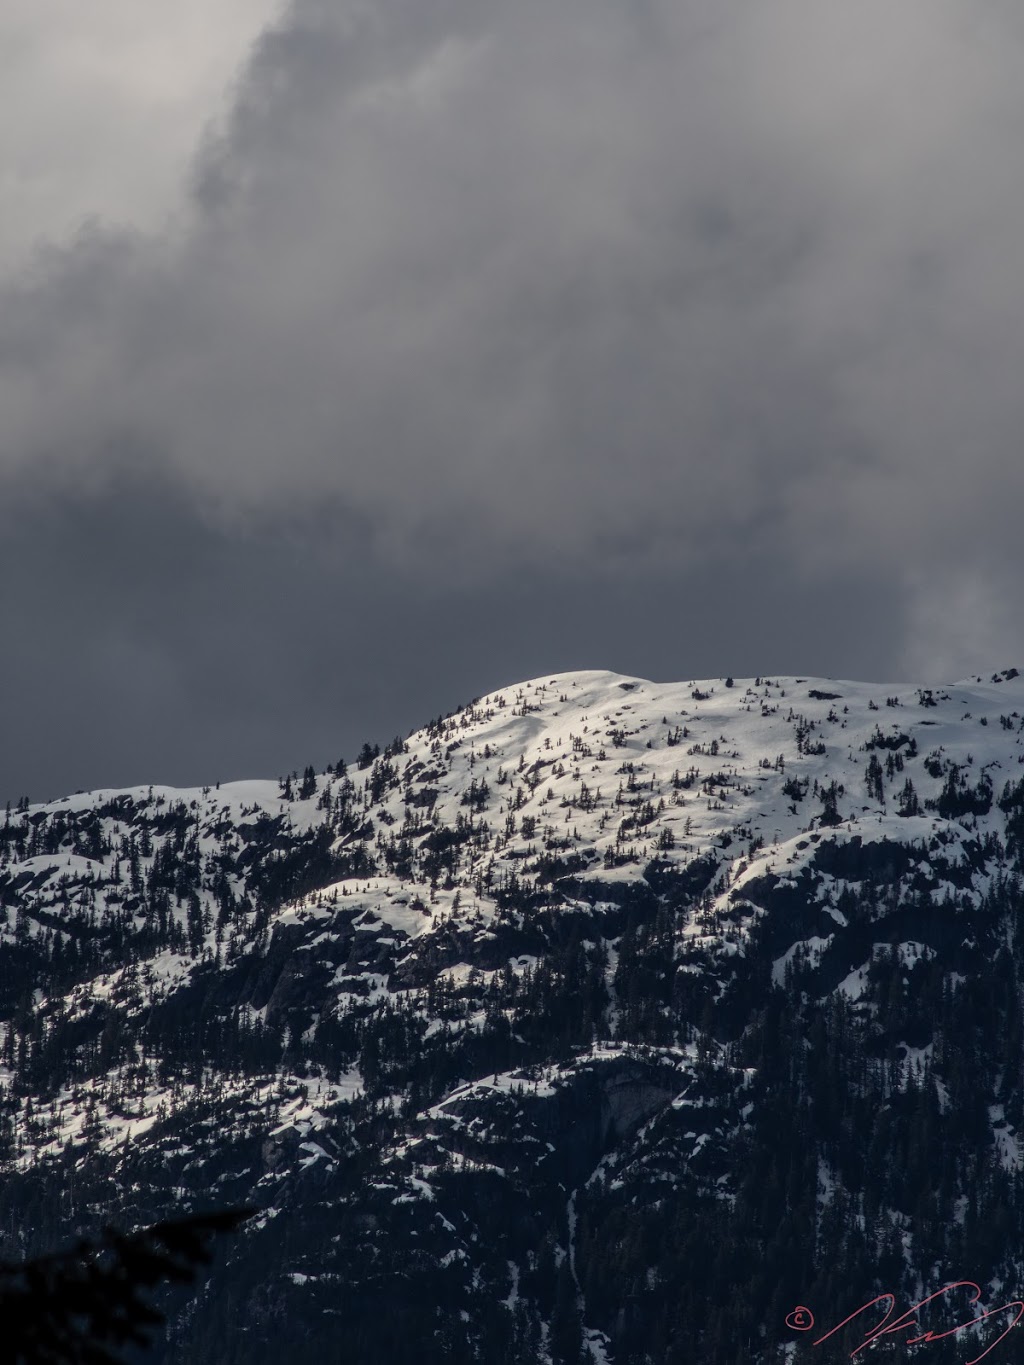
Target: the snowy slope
(572, 897)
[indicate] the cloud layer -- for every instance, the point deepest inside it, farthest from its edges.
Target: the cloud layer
(670, 293)
(103, 104)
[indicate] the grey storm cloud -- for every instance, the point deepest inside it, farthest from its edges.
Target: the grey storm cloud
(662, 289)
(144, 643)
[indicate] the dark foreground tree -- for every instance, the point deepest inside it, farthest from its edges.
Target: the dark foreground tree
(81, 1306)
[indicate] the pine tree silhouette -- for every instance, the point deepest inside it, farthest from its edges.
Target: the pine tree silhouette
(80, 1306)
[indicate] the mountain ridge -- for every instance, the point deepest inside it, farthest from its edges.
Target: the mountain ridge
(471, 1013)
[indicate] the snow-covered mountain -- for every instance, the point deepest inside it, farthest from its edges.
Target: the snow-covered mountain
(599, 1020)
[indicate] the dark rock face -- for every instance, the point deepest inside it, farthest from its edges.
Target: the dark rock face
(881, 862)
(567, 1030)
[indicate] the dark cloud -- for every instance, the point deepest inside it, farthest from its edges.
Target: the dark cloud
(515, 337)
(145, 644)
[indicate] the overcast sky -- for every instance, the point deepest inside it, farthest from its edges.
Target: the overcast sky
(359, 356)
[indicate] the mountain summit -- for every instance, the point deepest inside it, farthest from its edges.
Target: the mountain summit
(600, 1020)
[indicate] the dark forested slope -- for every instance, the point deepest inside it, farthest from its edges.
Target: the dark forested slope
(600, 1020)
